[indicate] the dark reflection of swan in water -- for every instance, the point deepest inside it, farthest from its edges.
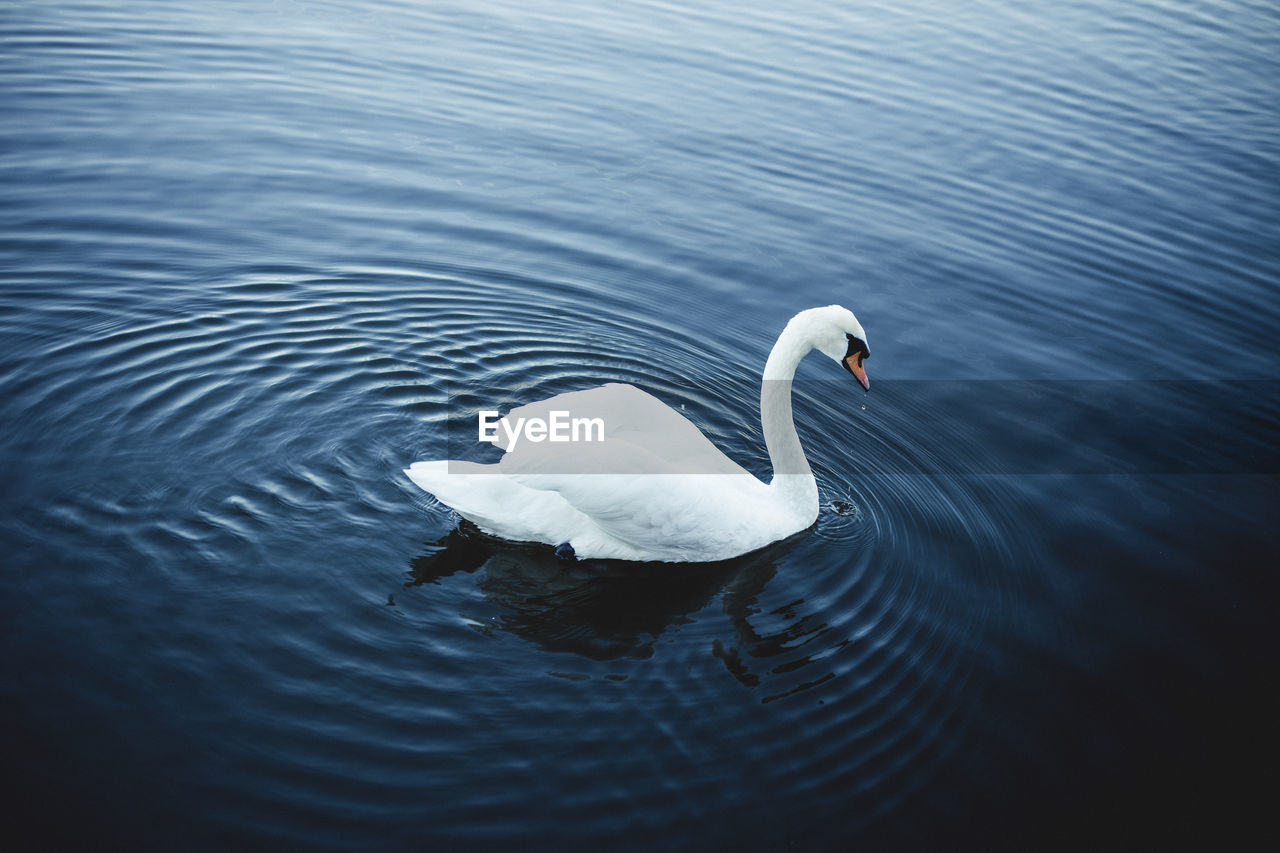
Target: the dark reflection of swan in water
(605, 609)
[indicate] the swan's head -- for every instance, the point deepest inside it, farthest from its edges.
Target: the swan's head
(835, 332)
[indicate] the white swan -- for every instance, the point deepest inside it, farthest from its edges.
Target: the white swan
(654, 488)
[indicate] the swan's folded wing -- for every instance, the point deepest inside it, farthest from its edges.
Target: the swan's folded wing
(659, 511)
(613, 429)
(653, 480)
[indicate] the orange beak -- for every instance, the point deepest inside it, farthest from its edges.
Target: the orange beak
(853, 364)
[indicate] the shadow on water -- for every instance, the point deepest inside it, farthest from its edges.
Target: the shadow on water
(605, 609)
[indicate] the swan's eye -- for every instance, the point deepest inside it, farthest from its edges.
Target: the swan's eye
(858, 347)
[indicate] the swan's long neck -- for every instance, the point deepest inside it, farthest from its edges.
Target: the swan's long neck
(792, 477)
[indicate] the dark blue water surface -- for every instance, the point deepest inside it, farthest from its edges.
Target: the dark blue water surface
(250, 252)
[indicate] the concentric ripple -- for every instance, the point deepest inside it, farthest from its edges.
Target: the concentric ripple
(264, 430)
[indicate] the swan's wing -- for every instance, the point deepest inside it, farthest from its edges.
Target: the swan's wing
(613, 429)
(677, 516)
(648, 480)
(654, 481)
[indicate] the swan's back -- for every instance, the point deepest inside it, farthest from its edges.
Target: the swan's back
(641, 436)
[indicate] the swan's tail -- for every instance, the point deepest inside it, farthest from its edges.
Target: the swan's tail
(458, 489)
(491, 500)
(428, 475)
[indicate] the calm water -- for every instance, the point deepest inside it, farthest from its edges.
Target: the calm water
(248, 253)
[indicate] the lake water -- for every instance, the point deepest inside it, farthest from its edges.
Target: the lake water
(256, 258)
